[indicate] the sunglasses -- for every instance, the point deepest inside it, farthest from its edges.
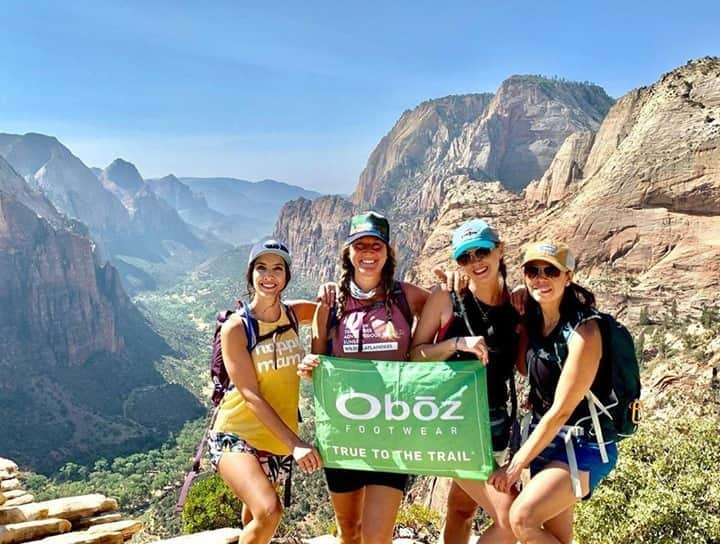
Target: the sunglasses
(473, 255)
(276, 245)
(533, 271)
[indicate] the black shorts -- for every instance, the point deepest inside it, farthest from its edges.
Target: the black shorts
(341, 480)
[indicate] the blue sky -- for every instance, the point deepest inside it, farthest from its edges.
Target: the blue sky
(303, 91)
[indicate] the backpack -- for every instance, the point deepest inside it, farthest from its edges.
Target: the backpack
(619, 352)
(402, 304)
(222, 384)
(218, 372)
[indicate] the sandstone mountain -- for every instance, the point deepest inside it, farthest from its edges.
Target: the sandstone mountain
(156, 229)
(510, 137)
(122, 179)
(639, 201)
(156, 239)
(77, 358)
(12, 184)
(72, 188)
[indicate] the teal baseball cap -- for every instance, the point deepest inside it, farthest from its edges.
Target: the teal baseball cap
(473, 234)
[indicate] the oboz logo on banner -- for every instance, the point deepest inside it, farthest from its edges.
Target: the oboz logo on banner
(424, 408)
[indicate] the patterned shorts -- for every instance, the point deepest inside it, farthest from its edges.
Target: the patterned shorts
(276, 467)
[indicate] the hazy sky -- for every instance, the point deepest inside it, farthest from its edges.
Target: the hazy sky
(303, 91)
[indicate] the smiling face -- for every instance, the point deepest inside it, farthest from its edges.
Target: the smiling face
(269, 275)
(482, 265)
(368, 256)
(545, 282)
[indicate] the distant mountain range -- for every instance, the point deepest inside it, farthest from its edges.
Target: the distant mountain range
(235, 210)
(78, 376)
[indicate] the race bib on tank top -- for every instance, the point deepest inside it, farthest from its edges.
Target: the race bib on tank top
(362, 332)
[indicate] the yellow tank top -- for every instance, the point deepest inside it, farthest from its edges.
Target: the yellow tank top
(276, 369)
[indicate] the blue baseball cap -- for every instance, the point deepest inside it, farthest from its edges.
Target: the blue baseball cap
(270, 246)
(473, 234)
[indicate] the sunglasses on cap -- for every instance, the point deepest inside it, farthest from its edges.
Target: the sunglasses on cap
(473, 255)
(276, 245)
(533, 271)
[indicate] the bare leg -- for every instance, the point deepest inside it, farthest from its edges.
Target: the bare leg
(497, 505)
(245, 477)
(379, 513)
(562, 526)
(460, 513)
(348, 515)
(540, 513)
(246, 515)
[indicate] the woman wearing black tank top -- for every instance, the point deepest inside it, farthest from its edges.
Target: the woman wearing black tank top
(490, 335)
(567, 453)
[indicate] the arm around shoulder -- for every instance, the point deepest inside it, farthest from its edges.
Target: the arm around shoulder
(304, 310)
(436, 310)
(417, 297)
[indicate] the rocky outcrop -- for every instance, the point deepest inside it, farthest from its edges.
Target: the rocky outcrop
(564, 171)
(72, 188)
(50, 287)
(86, 519)
(314, 231)
(650, 204)
(122, 216)
(12, 184)
(510, 137)
(417, 144)
(74, 345)
(528, 119)
(122, 178)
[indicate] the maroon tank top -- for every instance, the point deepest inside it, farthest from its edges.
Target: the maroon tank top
(362, 333)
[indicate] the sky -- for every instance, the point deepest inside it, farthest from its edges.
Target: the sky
(302, 92)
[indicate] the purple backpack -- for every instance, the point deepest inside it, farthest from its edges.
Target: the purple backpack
(218, 372)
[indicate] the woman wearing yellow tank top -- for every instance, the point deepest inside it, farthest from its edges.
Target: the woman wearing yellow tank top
(255, 436)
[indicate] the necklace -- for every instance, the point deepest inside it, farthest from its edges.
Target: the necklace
(261, 315)
(483, 315)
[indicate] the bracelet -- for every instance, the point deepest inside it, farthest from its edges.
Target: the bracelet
(457, 339)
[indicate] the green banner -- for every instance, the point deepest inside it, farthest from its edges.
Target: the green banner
(415, 418)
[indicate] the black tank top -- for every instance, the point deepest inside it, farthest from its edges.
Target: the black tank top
(545, 358)
(502, 341)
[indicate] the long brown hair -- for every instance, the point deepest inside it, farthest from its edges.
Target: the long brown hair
(387, 283)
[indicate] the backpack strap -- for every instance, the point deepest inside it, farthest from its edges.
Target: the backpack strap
(291, 317)
(195, 470)
(250, 324)
(402, 302)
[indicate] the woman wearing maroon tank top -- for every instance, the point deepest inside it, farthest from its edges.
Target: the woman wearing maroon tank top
(374, 315)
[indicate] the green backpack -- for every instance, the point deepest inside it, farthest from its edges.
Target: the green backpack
(619, 352)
